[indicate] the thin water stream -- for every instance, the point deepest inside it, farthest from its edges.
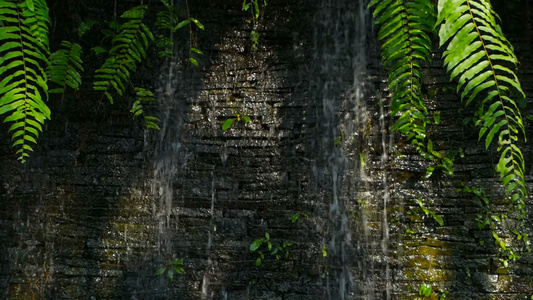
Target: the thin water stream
(338, 82)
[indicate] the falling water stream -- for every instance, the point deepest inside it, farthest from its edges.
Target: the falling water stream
(338, 82)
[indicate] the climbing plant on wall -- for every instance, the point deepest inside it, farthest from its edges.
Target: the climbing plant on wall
(478, 58)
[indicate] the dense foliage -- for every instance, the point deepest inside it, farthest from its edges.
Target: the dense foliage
(480, 60)
(29, 72)
(477, 55)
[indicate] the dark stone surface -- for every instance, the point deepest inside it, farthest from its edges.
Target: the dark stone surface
(102, 204)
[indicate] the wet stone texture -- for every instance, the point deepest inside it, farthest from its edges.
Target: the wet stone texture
(102, 204)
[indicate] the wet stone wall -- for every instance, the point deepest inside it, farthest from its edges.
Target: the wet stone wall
(103, 204)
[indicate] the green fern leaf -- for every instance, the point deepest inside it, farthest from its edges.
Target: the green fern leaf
(405, 29)
(23, 86)
(86, 26)
(166, 23)
(65, 67)
(480, 56)
(129, 48)
(143, 95)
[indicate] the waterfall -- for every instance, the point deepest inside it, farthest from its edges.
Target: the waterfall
(337, 80)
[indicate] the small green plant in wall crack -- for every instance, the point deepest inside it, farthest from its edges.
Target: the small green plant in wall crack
(497, 223)
(170, 269)
(237, 105)
(429, 212)
(426, 292)
(296, 217)
(264, 247)
(239, 118)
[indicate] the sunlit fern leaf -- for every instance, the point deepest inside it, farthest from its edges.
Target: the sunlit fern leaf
(482, 60)
(405, 27)
(143, 95)
(129, 49)
(65, 67)
(35, 16)
(23, 86)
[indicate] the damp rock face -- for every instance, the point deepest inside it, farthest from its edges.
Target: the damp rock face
(103, 205)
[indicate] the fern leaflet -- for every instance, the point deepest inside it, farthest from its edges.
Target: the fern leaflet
(23, 88)
(482, 60)
(65, 67)
(137, 109)
(85, 27)
(166, 21)
(405, 32)
(129, 48)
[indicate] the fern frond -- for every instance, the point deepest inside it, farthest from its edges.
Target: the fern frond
(166, 23)
(166, 19)
(482, 60)
(405, 29)
(143, 95)
(65, 67)
(129, 48)
(36, 18)
(23, 87)
(86, 26)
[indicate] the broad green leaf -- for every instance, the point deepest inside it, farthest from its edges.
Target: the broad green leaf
(193, 61)
(181, 24)
(227, 124)
(255, 245)
(195, 21)
(195, 50)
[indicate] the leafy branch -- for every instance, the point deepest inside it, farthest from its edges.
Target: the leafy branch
(169, 20)
(405, 28)
(277, 251)
(429, 212)
(65, 67)
(137, 109)
(171, 268)
(129, 49)
(482, 60)
(26, 65)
